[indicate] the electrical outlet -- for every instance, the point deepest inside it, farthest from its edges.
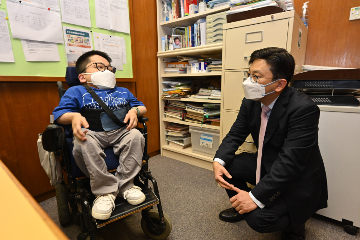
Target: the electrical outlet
(354, 13)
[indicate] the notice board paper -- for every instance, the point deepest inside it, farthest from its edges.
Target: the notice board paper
(6, 52)
(40, 51)
(76, 12)
(53, 5)
(119, 16)
(77, 42)
(112, 45)
(33, 23)
(102, 14)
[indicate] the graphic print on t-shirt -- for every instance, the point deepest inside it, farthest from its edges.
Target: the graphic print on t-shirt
(114, 103)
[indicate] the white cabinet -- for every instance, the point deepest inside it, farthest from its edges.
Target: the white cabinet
(339, 132)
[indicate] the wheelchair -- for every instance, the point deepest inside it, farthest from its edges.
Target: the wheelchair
(74, 197)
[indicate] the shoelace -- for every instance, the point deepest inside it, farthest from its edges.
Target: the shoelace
(133, 189)
(105, 198)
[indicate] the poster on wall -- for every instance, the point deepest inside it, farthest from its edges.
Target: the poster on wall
(35, 51)
(76, 12)
(112, 15)
(34, 23)
(6, 51)
(76, 43)
(113, 46)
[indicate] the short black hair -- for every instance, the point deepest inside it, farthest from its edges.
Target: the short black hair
(282, 63)
(84, 59)
(176, 38)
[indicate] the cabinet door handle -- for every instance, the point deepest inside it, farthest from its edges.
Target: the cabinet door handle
(259, 40)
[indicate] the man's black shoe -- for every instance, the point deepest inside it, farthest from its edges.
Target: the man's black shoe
(230, 215)
(294, 234)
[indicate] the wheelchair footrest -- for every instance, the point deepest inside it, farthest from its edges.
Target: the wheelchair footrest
(124, 209)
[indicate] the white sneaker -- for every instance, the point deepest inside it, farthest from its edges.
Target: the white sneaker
(134, 195)
(103, 206)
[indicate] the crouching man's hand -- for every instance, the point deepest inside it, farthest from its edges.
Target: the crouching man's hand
(242, 201)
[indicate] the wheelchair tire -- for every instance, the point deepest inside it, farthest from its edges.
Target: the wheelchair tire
(154, 215)
(62, 204)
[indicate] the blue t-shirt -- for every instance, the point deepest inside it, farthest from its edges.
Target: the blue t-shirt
(76, 98)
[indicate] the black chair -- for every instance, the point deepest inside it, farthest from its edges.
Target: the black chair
(74, 198)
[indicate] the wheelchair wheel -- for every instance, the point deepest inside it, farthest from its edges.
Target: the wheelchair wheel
(62, 204)
(154, 216)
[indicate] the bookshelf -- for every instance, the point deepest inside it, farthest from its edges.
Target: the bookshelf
(164, 28)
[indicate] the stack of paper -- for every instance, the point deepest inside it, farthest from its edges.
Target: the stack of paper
(178, 135)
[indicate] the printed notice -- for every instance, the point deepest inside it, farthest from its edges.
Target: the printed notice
(34, 23)
(102, 14)
(119, 16)
(52, 5)
(6, 52)
(77, 42)
(40, 51)
(112, 45)
(76, 12)
(112, 15)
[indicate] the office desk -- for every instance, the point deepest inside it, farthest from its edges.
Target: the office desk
(21, 217)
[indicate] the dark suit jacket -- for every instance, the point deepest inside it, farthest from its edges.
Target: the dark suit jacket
(291, 155)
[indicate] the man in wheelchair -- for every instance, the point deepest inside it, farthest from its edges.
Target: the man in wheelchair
(94, 130)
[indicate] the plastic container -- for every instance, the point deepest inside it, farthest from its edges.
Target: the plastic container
(204, 141)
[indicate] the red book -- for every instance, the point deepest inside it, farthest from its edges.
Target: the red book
(186, 6)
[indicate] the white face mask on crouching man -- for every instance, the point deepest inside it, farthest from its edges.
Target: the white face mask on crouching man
(254, 90)
(103, 80)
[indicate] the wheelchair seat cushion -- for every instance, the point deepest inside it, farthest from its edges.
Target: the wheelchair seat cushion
(111, 160)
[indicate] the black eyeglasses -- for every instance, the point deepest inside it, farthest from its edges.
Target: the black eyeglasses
(254, 77)
(101, 67)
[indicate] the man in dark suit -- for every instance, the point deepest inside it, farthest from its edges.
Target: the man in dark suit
(291, 183)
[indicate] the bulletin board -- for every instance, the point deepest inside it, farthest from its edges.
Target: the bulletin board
(57, 69)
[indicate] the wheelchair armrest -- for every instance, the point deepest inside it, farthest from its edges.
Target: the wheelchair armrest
(53, 138)
(142, 119)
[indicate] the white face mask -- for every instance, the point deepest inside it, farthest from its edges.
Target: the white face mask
(103, 80)
(254, 90)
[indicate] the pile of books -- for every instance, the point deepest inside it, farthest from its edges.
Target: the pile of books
(176, 67)
(175, 109)
(207, 94)
(215, 65)
(176, 89)
(202, 113)
(178, 135)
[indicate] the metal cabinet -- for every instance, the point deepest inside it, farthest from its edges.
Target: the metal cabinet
(285, 30)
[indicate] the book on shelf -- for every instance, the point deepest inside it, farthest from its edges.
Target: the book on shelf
(177, 127)
(173, 115)
(175, 5)
(187, 4)
(177, 133)
(177, 64)
(212, 113)
(178, 145)
(173, 70)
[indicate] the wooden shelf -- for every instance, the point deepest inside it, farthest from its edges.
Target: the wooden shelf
(188, 20)
(191, 124)
(219, 73)
(188, 152)
(194, 100)
(191, 51)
